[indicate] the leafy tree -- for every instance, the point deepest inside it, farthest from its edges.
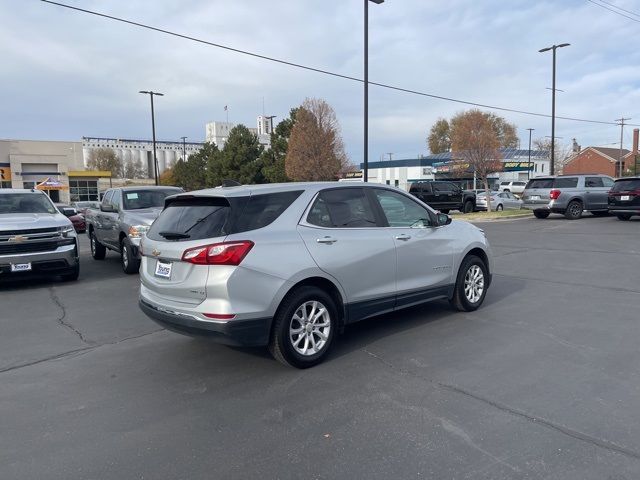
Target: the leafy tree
(476, 144)
(239, 160)
(439, 139)
(105, 159)
(166, 177)
(273, 159)
(133, 169)
(192, 173)
(506, 132)
(316, 151)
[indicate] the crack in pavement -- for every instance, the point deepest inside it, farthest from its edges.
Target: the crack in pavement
(61, 321)
(598, 442)
(76, 352)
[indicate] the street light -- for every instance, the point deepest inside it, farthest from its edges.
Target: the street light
(153, 128)
(529, 166)
(553, 102)
(366, 86)
(184, 148)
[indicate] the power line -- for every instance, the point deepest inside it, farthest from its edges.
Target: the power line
(318, 70)
(614, 11)
(620, 8)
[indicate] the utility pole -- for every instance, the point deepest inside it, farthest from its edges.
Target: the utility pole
(366, 87)
(529, 166)
(621, 120)
(151, 94)
(390, 153)
(184, 149)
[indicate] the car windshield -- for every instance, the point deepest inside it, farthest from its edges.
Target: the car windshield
(139, 199)
(626, 185)
(26, 203)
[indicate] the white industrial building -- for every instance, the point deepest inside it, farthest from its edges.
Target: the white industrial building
(218, 132)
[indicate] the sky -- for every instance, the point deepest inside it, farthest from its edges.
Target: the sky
(66, 74)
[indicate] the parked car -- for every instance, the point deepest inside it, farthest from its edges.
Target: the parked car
(444, 196)
(72, 214)
(624, 198)
(513, 187)
(83, 206)
(568, 195)
(124, 216)
(35, 237)
(289, 265)
(499, 201)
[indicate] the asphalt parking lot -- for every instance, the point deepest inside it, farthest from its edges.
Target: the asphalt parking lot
(542, 382)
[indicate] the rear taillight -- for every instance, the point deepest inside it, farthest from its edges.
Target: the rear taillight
(226, 253)
(554, 194)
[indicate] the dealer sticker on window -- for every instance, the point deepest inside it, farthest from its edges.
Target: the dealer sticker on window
(163, 269)
(20, 267)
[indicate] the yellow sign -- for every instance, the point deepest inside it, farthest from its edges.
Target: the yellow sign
(5, 174)
(89, 173)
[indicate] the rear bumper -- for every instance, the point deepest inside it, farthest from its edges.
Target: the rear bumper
(615, 210)
(63, 259)
(245, 333)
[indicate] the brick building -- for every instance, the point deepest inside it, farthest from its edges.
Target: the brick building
(603, 160)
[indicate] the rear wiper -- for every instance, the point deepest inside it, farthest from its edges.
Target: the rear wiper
(174, 235)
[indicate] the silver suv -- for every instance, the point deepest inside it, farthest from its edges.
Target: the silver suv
(568, 195)
(290, 265)
(35, 237)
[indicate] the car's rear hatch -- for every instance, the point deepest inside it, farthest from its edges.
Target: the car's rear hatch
(537, 191)
(625, 194)
(187, 222)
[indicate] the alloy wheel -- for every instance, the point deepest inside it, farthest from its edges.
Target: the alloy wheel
(474, 284)
(309, 328)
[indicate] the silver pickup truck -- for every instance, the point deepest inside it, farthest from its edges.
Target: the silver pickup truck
(35, 238)
(125, 214)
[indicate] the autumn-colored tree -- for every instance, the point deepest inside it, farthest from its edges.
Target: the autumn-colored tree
(476, 146)
(562, 153)
(105, 159)
(315, 151)
(166, 177)
(439, 139)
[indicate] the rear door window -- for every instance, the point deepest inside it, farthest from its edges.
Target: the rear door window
(342, 208)
(593, 182)
(565, 182)
(261, 210)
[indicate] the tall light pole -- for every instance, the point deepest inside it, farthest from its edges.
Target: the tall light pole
(553, 104)
(366, 86)
(621, 120)
(529, 166)
(184, 148)
(153, 128)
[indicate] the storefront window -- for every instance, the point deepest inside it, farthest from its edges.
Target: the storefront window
(83, 190)
(4, 184)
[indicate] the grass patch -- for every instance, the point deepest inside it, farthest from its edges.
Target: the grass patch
(492, 215)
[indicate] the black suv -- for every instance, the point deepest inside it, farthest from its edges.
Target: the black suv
(624, 198)
(444, 196)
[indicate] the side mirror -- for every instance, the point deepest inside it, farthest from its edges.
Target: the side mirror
(106, 207)
(443, 219)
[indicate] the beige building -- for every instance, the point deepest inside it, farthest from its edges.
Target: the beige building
(25, 163)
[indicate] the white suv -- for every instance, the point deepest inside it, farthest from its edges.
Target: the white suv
(513, 187)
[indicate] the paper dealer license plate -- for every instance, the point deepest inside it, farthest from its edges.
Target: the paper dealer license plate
(624, 197)
(20, 267)
(163, 269)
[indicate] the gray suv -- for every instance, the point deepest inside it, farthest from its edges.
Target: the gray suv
(290, 265)
(568, 195)
(35, 238)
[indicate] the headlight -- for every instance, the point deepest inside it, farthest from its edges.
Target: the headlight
(136, 231)
(65, 231)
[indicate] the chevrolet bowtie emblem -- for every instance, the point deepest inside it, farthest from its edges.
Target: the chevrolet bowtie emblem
(155, 252)
(17, 238)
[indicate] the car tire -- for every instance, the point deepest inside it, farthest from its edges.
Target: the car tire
(624, 216)
(291, 328)
(499, 208)
(98, 251)
(73, 276)
(471, 284)
(541, 213)
(130, 264)
(574, 210)
(468, 207)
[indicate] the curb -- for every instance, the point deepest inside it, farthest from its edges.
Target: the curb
(500, 219)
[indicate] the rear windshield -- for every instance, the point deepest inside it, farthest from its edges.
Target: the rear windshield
(560, 182)
(626, 185)
(197, 218)
(26, 203)
(139, 199)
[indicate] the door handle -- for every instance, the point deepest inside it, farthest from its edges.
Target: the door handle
(403, 237)
(327, 240)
